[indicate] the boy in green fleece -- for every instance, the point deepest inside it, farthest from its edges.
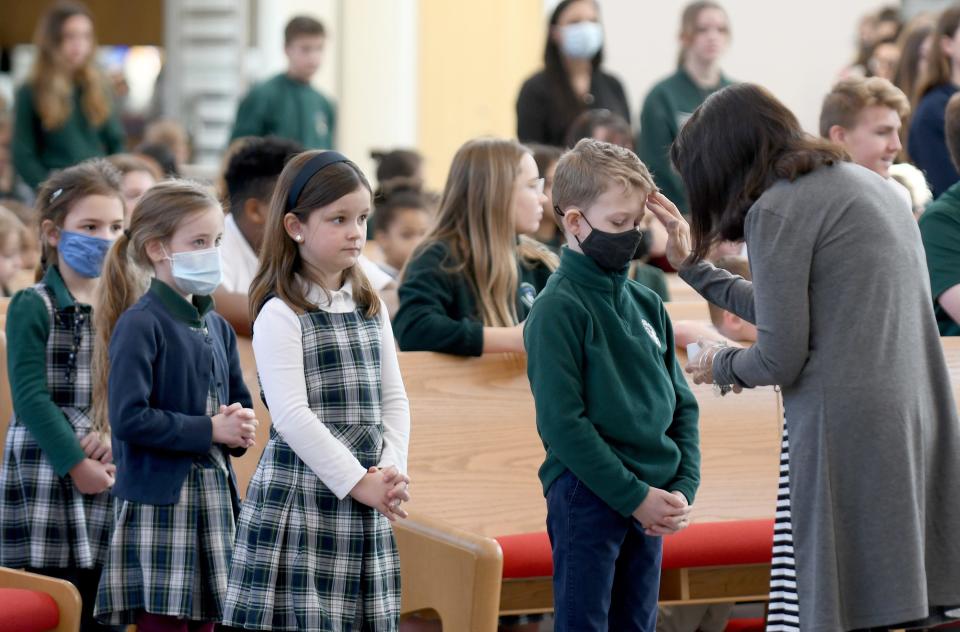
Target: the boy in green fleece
(616, 417)
(287, 105)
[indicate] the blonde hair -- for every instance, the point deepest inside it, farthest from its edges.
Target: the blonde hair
(280, 258)
(53, 85)
(851, 96)
(63, 189)
(156, 217)
(592, 166)
(476, 221)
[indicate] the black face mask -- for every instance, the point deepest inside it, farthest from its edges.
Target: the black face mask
(643, 248)
(611, 251)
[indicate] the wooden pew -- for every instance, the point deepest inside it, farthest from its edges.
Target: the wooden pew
(246, 465)
(679, 290)
(688, 310)
(473, 463)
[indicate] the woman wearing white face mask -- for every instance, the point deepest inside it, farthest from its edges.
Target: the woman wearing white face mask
(571, 81)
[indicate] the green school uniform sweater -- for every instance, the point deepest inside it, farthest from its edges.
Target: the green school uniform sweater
(438, 308)
(28, 329)
(612, 404)
(38, 151)
(666, 108)
(284, 107)
(940, 231)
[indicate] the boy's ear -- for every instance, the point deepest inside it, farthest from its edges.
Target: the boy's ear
(573, 220)
(255, 211)
(838, 135)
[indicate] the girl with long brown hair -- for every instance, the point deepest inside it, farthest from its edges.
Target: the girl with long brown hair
(925, 142)
(472, 280)
(64, 112)
(315, 550)
(56, 513)
(177, 408)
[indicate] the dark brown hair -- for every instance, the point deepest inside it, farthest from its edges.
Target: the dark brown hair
(302, 26)
(951, 129)
(65, 188)
(727, 160)
(911, 41)
(939, 65)
(280, 259)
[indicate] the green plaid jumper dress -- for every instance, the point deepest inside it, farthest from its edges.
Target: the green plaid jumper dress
(45, 522)
(304, 559)
(174, 559)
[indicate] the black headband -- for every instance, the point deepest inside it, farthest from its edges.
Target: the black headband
(309, 170)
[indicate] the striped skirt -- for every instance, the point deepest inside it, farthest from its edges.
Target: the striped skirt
(784, 610)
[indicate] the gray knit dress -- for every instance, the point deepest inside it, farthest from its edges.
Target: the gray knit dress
(846, 328)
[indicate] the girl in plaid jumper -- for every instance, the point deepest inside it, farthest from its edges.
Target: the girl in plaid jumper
(314, 548)
(178, 409)
(56, 515)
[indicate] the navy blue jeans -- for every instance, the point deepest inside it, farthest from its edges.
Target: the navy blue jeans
(606, 572)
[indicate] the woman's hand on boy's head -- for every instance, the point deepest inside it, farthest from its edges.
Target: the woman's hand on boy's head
(679, 243)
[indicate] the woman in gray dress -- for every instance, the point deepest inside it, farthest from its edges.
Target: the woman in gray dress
(868, 518)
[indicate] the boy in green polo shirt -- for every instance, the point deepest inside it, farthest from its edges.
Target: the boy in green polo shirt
(616, 417)
(287, 105)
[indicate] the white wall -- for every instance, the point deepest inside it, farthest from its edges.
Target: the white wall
(369, 67)
(795, 49)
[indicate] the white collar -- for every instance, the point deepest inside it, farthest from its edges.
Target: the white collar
(335, 300)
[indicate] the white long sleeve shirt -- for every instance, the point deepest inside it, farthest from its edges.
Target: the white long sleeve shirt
(278, 348)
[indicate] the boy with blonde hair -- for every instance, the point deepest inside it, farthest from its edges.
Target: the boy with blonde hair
(615, 414)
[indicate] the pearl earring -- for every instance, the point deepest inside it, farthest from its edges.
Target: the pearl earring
(299, 237)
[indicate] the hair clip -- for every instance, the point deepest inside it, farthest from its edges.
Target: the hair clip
(55, 194)
(556, 209)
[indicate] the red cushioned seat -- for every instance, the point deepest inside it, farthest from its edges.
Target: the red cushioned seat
(700, 544)
(27, 611)
(746, 625)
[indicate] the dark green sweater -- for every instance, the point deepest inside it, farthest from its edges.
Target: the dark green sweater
(612, 404)
(38, 151)
(438, 308)
(940, 231)
(287, 108)
(28, 328)
(666, 108)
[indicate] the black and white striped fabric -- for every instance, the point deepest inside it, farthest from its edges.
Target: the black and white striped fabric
(784, 612)
(45, 522)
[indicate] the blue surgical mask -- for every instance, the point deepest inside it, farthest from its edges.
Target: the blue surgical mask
(83, 253)
(196, 271)
(581, 40)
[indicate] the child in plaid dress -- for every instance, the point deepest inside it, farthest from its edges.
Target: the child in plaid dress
(314, 547)
(172, 365)
(56, 514)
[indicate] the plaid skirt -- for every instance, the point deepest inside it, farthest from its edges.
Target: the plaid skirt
(172, 559)
(306, 560)
(45, 522)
